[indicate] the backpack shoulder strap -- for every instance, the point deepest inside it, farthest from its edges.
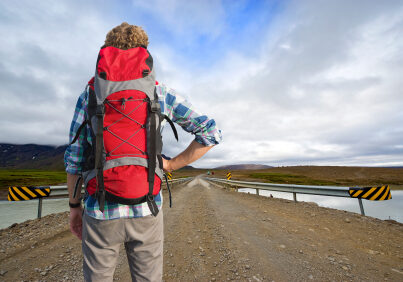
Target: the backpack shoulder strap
(78, 132)
(172, 126)
(152, 131)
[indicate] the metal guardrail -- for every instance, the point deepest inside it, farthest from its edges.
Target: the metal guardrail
(61, 191)
(334, 191)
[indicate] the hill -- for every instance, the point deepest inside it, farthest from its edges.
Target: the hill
(31, 156)
(244, 166)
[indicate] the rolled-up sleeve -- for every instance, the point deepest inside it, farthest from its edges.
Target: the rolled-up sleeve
(182, 112)
(73, 157)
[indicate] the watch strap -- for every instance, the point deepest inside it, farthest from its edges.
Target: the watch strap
(75, 205)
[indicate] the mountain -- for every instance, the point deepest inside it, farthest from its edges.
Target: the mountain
(243, 166)
(187, 167)
(31, 156)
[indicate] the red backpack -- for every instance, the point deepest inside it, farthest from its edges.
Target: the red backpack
(124, 163)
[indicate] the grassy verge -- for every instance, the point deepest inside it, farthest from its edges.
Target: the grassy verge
(14, 177)
(283, 178)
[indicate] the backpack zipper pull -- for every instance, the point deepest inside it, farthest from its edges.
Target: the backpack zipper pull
(123, 103)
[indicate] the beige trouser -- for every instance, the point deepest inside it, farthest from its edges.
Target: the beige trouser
(143, 239)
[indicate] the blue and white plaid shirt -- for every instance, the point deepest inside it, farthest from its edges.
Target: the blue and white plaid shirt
(176, 108)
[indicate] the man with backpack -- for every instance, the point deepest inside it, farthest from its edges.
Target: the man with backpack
(115, 150)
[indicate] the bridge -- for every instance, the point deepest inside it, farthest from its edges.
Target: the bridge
(215, 234)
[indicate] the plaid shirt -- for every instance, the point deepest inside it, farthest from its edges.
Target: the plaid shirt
(176, 108)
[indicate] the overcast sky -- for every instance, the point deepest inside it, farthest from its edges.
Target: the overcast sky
(288, 82)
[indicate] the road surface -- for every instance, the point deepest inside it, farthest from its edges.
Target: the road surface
(214, 234)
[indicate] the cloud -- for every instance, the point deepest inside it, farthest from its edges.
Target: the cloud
(186, 18)
(332, 96)
(49, 49)
(297, 82)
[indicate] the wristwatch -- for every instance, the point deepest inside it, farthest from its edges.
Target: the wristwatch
(75, 205)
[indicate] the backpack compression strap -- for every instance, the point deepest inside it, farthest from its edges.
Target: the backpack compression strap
(169, 190)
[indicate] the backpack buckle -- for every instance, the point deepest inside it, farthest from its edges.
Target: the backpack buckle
(100, 111)
(154, 106)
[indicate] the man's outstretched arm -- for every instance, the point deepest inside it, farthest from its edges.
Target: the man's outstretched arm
(192, 153)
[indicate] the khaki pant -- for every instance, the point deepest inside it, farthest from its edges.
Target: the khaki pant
(143, 238)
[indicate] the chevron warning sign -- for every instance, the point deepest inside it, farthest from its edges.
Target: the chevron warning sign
(169, 175)
(229, 175)
(371, 193)
(18, 193)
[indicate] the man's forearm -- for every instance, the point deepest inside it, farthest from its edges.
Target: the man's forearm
(192, 153)
(71, 183)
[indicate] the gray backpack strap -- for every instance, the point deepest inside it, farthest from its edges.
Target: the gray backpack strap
(99, 156)
(152, 130)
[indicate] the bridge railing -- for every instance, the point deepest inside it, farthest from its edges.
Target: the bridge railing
(335, 191)
(62, 192)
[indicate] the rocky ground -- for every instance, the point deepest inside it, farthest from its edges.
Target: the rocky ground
(213, 234)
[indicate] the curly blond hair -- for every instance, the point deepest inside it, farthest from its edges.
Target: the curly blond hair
(126, 36)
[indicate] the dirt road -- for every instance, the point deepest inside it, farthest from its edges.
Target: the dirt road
(212, 234)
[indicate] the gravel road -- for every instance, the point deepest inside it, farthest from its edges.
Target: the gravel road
(214, 234)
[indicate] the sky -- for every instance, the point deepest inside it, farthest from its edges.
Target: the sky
(307, 82)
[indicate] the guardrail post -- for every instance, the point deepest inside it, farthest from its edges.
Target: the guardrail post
(257, 191)
(40, 208)
(361, 206)
(295, 196)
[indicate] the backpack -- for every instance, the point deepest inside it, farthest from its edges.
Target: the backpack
(124, 163)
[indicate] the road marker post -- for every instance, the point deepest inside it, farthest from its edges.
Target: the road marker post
(169, 175)
(361, 206)
(381, 193)
(26, 193)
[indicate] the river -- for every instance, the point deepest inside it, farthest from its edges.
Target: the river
(20, 211)
(16, 212)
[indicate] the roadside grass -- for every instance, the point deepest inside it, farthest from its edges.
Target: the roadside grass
(283, 178)
(31, 177)
(182, 173)
(36, 177)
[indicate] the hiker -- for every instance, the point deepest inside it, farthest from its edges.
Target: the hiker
(115, 150)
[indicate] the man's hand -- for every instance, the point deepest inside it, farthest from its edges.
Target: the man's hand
(166, 165)
(76, 221)
(76, 214)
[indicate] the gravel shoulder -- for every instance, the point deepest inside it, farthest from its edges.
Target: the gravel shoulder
(214, 234)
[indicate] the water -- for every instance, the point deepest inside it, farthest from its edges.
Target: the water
(20, 211)
(17, 212)
(390, 209)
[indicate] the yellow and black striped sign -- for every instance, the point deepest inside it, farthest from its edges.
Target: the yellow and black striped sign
(229, 175)
(371, 193)
(18, 193)
(169, 175)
